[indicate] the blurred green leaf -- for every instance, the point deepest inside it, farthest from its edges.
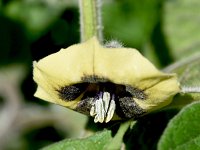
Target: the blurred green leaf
(181, 25)
(14, 46)
(188, 72)
(94, 142)
(183, 131)
(131, 21)
(190, 75)
(37, 16)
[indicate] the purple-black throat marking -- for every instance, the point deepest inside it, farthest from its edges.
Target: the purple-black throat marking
(102, 99)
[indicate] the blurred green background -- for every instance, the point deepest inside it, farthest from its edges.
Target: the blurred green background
(163, 30)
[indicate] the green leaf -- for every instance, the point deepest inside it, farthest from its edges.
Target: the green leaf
(181, 26)
(94, 142)
(183, 131)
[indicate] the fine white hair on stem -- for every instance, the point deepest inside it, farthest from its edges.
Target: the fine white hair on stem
(113, 44)
(99, 26)
(81, 19)
(190, 89)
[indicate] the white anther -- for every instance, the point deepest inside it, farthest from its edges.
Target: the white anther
(106, 101)
(99, 110)
(103, 108)
(96, 119)
(111, 111)
(92, 111)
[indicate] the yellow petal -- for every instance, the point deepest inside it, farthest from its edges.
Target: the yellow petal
(40, 93)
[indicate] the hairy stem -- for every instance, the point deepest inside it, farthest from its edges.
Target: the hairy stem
(181, 63)
(90, 19)
(190, 89)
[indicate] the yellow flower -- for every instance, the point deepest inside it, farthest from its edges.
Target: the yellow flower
(107, 83)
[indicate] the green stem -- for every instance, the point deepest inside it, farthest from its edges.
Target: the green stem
(90, 19)
(117, 140)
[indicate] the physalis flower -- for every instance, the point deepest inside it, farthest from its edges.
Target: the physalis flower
(107, 83)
